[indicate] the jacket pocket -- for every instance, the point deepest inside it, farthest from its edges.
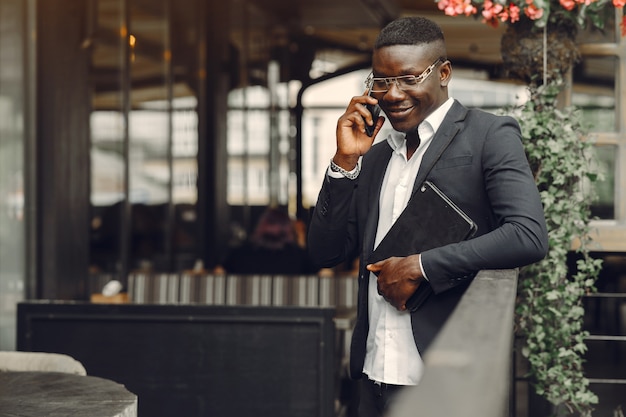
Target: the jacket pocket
(454, 162)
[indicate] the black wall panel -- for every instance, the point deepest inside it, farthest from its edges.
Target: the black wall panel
(196, 360)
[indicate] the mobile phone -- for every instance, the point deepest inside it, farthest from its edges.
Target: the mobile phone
(375, 110)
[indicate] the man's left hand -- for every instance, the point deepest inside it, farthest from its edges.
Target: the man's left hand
(398, 278)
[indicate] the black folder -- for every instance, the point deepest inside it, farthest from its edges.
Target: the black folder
(430, 220)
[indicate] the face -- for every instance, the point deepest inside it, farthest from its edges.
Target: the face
(407, 108)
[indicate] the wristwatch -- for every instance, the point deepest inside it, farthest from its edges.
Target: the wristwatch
(348, 174)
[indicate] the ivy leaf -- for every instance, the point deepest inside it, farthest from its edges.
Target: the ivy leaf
(549, 312)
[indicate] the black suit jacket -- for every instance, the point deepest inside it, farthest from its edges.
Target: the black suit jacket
(484, 170)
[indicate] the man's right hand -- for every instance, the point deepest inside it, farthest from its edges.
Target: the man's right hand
(352, 141)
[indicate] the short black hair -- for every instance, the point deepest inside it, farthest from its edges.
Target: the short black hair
(409, 31)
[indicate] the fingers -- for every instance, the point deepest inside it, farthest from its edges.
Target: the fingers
(377, 126)
(380, 291)
(384, 289)
(357, 119)
(352, 139)
(358, 113)
(375, 267)
(367, 110)
(397, 301)
(391, 283)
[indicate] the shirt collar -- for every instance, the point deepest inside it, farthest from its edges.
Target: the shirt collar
(426, 129)
(396, 140)
(436, 118)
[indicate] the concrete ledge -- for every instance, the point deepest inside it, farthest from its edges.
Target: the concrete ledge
(38, 361)
(468, 368)
(36, 394)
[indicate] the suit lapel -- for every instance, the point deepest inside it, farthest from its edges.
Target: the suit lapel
(445, 134)
(380, 160)
(450, 126)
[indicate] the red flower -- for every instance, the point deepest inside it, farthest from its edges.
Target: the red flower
(533, 12)
(457, 7)
(495, 11)
(568, 4)
(514, 12)
(491, 10)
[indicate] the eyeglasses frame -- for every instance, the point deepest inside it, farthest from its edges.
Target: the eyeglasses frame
(419, 79)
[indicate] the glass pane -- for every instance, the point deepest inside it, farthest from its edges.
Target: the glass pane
(594, 92)
(286, 162)
(257, 146)
(248, 146)
(185, 150)
(12, 228)
(149, 173)
(149, 134)
(248, 180)
(248, 121)
(184, 38)
(162, 134)
(604, 206)
(592, 34)
(184, 181)
(108, 126)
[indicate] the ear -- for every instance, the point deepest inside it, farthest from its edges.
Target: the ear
(445, 73)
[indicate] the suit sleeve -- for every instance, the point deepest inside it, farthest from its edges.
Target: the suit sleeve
(333, 235)
(520, 235)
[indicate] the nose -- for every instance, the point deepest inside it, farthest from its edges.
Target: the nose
(394, 92)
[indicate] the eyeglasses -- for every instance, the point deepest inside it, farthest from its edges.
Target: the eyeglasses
(404, 82)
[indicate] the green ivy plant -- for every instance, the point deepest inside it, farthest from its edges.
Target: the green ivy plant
(550, 311)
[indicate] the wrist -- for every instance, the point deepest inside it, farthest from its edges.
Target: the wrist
(347, 162)
(350, 174)
(417, 274)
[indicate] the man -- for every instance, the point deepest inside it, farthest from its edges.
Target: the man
(482, 168)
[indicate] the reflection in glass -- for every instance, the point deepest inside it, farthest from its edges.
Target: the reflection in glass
(594, 92)
(149, 135)
(185, 150)
(591, 34)
(144, 134)
(12, 169)
(149, 173)
(107, 161)
(108, 135)
(258, 145)
(604, 206)
(248, 146)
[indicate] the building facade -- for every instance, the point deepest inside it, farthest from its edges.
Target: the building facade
(150, 134)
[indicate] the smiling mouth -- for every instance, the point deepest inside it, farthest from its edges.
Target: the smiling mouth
(398, 113)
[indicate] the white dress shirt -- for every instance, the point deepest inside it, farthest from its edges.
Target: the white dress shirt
(391, 354)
